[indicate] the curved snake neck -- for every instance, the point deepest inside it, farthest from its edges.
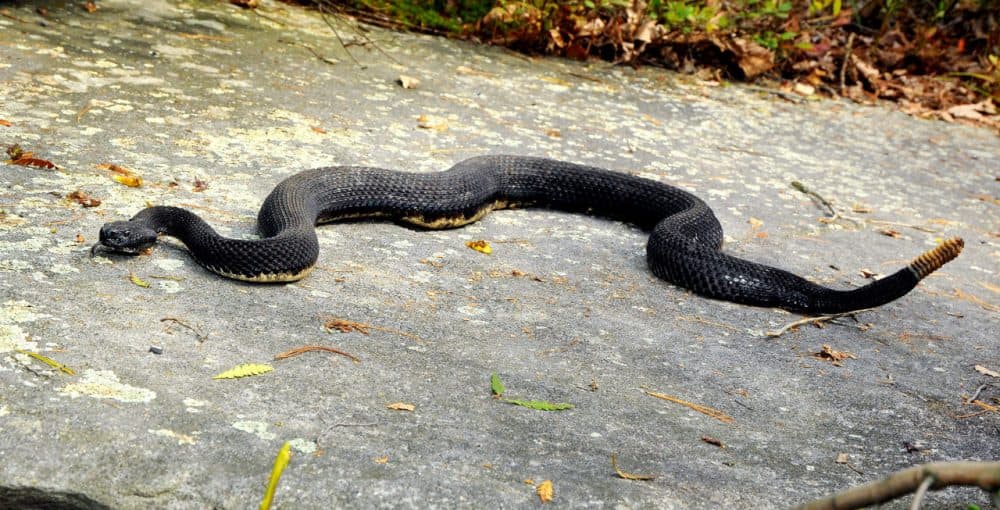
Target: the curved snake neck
(683, 248)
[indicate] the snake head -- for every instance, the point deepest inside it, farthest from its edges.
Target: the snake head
(126, 237)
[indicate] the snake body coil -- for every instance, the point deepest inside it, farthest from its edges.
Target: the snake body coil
(684, 243)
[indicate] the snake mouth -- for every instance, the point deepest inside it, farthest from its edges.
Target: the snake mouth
(99, 247)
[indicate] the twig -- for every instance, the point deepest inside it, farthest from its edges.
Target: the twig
(311, 50)
(843, 66)
(198, 334)
(976, 394)
(714, 413)
(813, 320)
(834, 214)
(918, 497)
(908, 225)
(985, 475)
(309, 348)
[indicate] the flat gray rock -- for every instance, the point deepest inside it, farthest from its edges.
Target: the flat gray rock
(212, 105)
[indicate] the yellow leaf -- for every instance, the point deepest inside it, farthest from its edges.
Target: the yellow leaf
(627, 476)
(545, 491)
(138, 281)
(480, 245)
(245, 370)
(382, 460)
(132, 181)
(280, 462)
(48, 361)
(401, 406)
(755, 223)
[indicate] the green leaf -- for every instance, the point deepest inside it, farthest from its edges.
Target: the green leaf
(540, 405)
(245, 370)
(497, 385)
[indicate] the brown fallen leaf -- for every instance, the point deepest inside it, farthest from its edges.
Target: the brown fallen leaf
(891, 233)
(90, 6)
(985, 371)
(713, 441)
(246, 4)
(408, 82)
(5, 123)
(401, 406)
(835, 357)
(346, 326)
(318, 129)
(80, 239)
(199, 185)
(122, 175)
(480, 245)
(545, 491)
(35, 162)
(83, 199)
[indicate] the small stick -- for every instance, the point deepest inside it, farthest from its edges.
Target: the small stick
(918, 497)
(985, 475)
(813, 320)
(802, 188)
(308, 348)
(198, 334)
(843, 66)
(311, 50)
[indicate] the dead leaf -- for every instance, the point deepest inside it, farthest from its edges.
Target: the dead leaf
(382, 460)
(346, 326)
(891, 233)
(401, 406)
(480, 245)
(752, 58)
(5, 123)
(90, 6)
(199, 185)
(36, 162)
(408, 82)
(835, 357)
(867, 273)
(985, 371)
(246, 4)
(860, 209)
(122, 175)
(755, 224)
(554, 133)
(318, 129)
(83, 199)
(842, 458)
(425, 122)
(713, 441)
(545, 491)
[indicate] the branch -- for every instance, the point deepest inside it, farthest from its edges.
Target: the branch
(985, 475)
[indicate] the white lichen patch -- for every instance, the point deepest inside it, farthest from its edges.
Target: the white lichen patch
(19, 311)
(13, 338)
(194, 405)
(303, 445)
(257, 428)
(63, 269)
(4, 411)
(168, 264)
(169, 286)
(105, 384)
(181, 438)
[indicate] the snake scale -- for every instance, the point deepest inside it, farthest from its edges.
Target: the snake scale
(684, 246)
